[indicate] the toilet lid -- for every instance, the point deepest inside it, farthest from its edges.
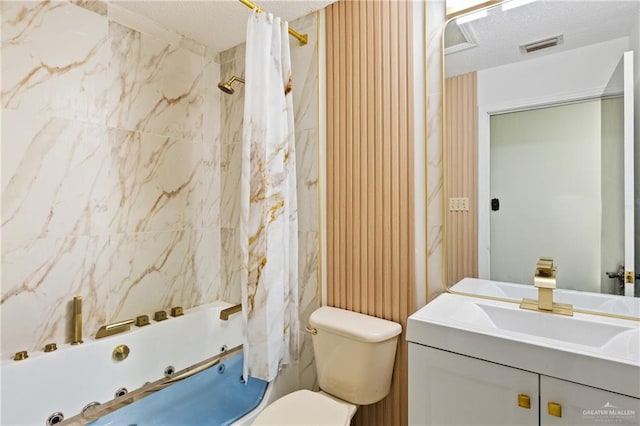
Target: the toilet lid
(304, 408)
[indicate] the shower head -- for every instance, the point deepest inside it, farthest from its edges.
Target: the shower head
(225, 86)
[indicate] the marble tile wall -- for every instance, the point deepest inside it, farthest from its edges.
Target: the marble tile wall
(110, 170)
(435, 24)
(305, 100)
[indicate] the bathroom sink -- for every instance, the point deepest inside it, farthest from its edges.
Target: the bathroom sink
(507, 319)
(553, 327)
(571, 348)
(598, 302)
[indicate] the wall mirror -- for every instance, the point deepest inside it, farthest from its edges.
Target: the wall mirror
(538, 122)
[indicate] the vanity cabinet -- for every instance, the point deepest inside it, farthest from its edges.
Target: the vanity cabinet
(446, 388)
(584, 405)
(451, 389)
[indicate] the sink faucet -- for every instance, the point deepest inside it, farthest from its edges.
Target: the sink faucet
(545, 282)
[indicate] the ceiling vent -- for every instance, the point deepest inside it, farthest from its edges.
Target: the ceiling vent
(542, 44)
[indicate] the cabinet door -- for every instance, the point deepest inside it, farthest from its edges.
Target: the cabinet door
(451, 389)
(584, 405)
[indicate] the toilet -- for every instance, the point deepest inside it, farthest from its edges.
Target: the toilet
(354, 355)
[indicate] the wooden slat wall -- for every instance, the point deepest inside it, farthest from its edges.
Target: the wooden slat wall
(461, 176)
(370, 194)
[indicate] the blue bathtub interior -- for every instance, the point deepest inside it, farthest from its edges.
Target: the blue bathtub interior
(215, 396)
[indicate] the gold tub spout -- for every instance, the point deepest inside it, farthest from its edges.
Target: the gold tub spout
(225, 313)
(114, 328)
(77, 320)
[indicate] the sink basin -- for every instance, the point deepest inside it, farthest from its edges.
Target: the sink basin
(625, 342)
(570, 348)
(555, 327)
(506, 318)
(598, 302)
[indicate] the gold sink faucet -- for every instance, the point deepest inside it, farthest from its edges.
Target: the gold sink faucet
(545, 281)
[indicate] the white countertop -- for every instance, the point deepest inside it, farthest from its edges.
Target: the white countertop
(597, 351)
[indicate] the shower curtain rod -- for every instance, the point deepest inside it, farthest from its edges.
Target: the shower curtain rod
(303, 38)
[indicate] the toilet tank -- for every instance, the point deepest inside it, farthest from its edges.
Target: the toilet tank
(354, 354)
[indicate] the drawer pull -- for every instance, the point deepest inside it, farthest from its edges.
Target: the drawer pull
(555, 409)
(524, 401)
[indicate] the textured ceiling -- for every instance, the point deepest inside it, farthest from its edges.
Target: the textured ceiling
(500, 34)
(218, 24)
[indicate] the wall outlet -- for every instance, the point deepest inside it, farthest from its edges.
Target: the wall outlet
(459, 204)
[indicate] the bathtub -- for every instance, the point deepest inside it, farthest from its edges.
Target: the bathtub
(214, 396)
(68, 379)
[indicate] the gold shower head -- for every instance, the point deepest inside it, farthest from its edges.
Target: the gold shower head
(225, 86)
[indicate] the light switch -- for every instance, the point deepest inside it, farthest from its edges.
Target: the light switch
(459, 204)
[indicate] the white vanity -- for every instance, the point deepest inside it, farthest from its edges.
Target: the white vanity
(475, 361)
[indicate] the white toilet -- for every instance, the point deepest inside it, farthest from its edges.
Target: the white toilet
(354, 356)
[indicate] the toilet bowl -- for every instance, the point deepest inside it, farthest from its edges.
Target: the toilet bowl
(305, 407)
(354, 355)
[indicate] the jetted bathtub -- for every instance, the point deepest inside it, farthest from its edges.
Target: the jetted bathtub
(158, 374)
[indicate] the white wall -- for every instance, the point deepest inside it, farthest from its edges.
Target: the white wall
(570, 75)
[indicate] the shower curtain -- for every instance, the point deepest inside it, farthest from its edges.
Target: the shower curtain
(269, 219)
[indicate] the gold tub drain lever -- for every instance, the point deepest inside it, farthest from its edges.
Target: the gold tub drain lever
(120, 353)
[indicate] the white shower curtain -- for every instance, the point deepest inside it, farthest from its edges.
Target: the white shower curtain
(269, 218)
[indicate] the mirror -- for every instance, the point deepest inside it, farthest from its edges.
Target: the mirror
(537, 131)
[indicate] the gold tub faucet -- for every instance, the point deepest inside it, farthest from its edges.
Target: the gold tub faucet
(227, 312)
(114, 328)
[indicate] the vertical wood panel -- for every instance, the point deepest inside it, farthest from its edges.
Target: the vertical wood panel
(362, 48)
(376, 24)
(461, 150)
(355, 163)
(371, 216)
(370, 220)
